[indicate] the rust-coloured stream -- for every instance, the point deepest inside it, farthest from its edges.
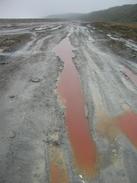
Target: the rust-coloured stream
(83, 146)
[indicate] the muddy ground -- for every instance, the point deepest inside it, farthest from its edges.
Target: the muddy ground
(35, 146)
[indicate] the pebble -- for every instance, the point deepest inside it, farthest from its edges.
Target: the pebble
(12, 134)
(35, 80)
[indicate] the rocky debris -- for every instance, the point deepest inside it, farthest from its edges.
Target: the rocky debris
(3, 60)
(54, 138)
(3, 63)
(125, 75)
(86, 111)
(61, 64)
(35, 80)
(133, 56)
(60, 68)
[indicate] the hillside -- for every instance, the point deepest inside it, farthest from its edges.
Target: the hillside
(125, 13)
(67, 16)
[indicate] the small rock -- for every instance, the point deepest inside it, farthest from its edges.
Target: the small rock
(3, 63)
(133, 56)
(12, 134)
(36, 175)
(12, 96)
(1, 50)
(54, 139)
(86, 111)
(114, 151)
(74, 56)
(35, 80)
(81, 176)
(60, 68)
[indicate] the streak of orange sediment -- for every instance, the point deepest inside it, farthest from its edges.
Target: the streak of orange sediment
(58, 168)
(127, 123)
(57, 174)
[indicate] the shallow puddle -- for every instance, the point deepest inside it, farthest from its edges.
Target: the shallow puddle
(83, 146)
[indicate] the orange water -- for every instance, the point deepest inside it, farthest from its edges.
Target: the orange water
(83, 146)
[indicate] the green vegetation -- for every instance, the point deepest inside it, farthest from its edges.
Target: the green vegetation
(11, 43)
(128, 31)
(126, 13)
(118, 30)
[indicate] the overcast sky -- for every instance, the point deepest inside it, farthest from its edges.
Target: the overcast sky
(42, 8)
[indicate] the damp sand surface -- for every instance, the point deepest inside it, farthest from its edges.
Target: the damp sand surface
(36, 145)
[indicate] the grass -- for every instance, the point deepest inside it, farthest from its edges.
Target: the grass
(128, 31)
(13, 42)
